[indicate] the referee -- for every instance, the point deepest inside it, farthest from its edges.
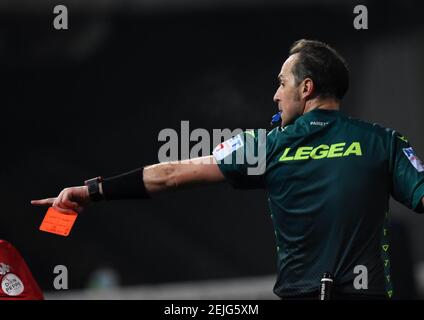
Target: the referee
(329, 179)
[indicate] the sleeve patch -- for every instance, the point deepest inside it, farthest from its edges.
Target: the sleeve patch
(412, 157)
(224, 149)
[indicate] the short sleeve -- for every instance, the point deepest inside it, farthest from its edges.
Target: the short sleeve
(242, 159)
(407, 172)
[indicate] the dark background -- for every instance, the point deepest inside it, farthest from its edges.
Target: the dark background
(91, 100)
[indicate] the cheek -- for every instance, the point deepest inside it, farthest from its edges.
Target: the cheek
(291, 105)
(287, 97)
(284, 95)
(289, 109)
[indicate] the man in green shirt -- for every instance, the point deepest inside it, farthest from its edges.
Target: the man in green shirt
(329, 178)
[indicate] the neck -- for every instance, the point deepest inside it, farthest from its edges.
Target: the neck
(325, 104)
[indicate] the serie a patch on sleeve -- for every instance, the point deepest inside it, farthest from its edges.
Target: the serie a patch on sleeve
(415, 161)
(227, 147)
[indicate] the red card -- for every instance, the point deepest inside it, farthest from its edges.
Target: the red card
(58, 222)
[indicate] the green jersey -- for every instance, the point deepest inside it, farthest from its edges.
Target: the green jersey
(329, 178)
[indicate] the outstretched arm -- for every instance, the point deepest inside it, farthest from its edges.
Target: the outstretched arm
(157, 178)
(167, 176)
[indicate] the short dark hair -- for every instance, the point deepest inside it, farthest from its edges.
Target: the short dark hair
(324, 65)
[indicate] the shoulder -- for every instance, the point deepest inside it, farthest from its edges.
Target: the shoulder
(275, 135)
(387, 136)
(372, 127)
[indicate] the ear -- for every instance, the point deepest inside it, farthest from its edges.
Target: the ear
(307, 88)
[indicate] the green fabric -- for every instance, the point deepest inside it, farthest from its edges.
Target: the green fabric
(329, 178)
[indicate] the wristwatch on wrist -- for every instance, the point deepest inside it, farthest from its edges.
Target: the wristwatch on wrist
(93, 188)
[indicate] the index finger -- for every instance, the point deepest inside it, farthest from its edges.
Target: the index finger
(43, 202)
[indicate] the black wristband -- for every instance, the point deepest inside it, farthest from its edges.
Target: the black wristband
(93, 188)
(129, 185)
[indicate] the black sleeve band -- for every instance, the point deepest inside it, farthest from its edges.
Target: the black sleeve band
(129, 185)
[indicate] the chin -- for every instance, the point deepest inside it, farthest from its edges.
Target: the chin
(285, 122)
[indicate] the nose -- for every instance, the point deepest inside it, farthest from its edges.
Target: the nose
(275, 98)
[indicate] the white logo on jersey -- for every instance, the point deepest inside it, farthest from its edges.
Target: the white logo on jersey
(318, 123)
(227, 147)
(415, 161)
